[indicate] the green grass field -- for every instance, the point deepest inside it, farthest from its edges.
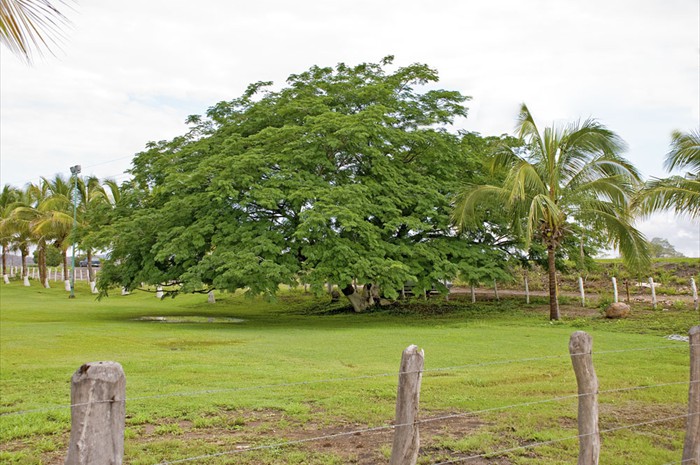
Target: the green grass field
(246, 372)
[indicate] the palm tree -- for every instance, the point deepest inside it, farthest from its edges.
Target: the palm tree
(565, 175)
(8, 197)
(28, 26)
(678, 193)
(18, 229)
(54, 218)
(93, 196)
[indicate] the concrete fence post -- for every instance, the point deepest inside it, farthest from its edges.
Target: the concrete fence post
(616, 298)
(527, 291)
(653, 293)
(695, 292)
(159, 292)
(406, 435)
(580, 349)
(211, 298)
(581, 291)
(691, 446)
(98, 414)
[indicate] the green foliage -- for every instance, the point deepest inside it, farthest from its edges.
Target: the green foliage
(680, 194)
(345, 174)
(54, 256)
(661, 248)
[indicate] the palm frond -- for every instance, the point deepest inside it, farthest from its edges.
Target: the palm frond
(676, 193)
(29, 27)
(465, 215)
(684, 153)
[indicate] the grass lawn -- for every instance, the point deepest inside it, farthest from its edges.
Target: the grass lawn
(246, 372)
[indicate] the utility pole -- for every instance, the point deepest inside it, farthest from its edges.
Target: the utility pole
(74, 171)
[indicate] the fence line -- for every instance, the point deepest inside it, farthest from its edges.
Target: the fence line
(380, 428)
(568, 438)
(342, 379)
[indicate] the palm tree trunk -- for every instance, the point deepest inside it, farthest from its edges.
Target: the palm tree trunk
(4, 264)
(553, 298)
(43, 272)
(66, 272)
(25, 269)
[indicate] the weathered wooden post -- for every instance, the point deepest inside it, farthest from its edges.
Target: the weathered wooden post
(614, 283)
(98, 413)
(653, 293)
(527, 291)
(580, 348)
(406, 438)
(691, 446)
(695, 292)
(583, 294)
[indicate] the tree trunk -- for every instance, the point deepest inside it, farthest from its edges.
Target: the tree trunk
(4, 264)
(91, 275)
(552, 271)
(25, 270)
(361, 301)
(43, 271)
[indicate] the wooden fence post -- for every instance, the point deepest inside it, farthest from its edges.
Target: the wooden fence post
(653, 293)
(615, 295)
(406, 438)
(580, 349)
(691, 447)
(583, 294)
(695, 292)
(98, 414)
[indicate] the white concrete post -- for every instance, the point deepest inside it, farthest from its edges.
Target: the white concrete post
(614, 283)
(159, 292)
(581, 291)
(653, 293)
(98, 413)
(527, 291)
(695, 292)
(211, 298)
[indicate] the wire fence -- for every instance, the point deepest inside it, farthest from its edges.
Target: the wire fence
(440, 418)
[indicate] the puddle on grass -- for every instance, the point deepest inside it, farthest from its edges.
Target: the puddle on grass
(190, 319)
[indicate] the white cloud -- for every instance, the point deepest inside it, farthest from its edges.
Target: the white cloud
(132, 71)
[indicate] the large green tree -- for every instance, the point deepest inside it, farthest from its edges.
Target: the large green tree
(564, 175)
(344, 176)
(679, 193)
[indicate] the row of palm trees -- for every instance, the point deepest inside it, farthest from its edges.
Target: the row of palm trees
(41, 216)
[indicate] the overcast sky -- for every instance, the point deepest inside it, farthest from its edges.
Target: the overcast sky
(131, 71)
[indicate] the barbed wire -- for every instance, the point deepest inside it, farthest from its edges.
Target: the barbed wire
(380, 428)
(568, 438)
(340, 379)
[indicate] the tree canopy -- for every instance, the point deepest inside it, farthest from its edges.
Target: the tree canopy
(343, 176)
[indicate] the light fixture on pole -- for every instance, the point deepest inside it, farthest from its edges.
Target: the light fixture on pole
(74, 171)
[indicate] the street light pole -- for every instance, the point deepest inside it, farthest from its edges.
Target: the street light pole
(74, 171)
